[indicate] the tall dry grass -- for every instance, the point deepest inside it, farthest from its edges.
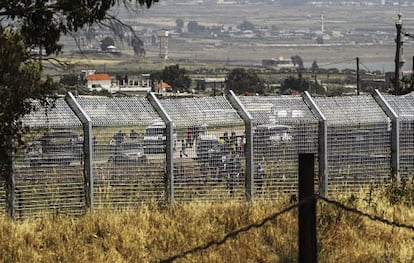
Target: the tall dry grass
(153, 232)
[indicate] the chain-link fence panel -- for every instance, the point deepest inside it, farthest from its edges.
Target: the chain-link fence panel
(359, 142)
(128, 144)
(208, 157)
(404, 108)
(3, 206)
(283, 127)
(48, 169)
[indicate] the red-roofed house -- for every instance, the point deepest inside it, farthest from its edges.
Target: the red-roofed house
(99, 81)
(163, 86)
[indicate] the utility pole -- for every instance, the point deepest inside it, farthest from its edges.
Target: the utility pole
(399, 61)
(412, 70)
(357, 64)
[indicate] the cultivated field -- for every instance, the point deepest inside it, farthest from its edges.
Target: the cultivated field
(376, 53)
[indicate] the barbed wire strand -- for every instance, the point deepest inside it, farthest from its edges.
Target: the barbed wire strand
(275, 215)
(359, 212)
(236, 232)
(365, 66)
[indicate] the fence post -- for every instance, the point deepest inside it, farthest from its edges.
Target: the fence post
(323, 145)
(248, 122)
(307, 210)
(395, 134)
(11, 180)
(87, 147)
(170, 144)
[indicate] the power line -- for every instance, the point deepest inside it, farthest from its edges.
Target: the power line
(335, 63)
(365, 66)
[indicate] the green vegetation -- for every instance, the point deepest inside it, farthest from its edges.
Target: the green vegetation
(174, 76)
(20, 82)
(29, 33)
(153, 232)
(242, 81)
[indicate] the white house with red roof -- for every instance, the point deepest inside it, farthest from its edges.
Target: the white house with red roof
(99, 81)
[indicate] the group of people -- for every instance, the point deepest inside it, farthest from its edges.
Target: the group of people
(233, 143)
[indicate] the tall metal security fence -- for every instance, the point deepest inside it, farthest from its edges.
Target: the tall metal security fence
(403, 106)
(128, 149)
(283, 127)
(208, 149)
(96, 152)
(48, 171)
(359, 142)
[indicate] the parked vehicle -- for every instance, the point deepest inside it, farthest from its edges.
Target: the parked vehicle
(60, 147)
(209, 150)
(268, 138)
(120, 141)
(130, 156)
(155, 138)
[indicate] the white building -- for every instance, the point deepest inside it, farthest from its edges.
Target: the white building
(140, 84)
(99, 82)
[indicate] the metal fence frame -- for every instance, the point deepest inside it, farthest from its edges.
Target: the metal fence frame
(243, 112)
(248, 120)
(354, 125)
(401, 109)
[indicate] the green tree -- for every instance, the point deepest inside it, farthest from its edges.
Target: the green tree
(138, 46)
(20, 83)
(179, 24)
(195, 27)
(69, 80)
(246, 25)
(297, 60)
(106, 42)
(174, 76)
(319, 40)
(241, 81)
(292, 83)
(40, 23)
(315, 66)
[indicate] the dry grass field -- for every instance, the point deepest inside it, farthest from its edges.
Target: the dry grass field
(153, 232)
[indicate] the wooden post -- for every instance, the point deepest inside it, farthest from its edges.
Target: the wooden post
(307, 211)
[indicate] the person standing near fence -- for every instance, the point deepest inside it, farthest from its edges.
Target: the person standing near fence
(231, 174)
(183, 147)
(190, 137)
(133, 135)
